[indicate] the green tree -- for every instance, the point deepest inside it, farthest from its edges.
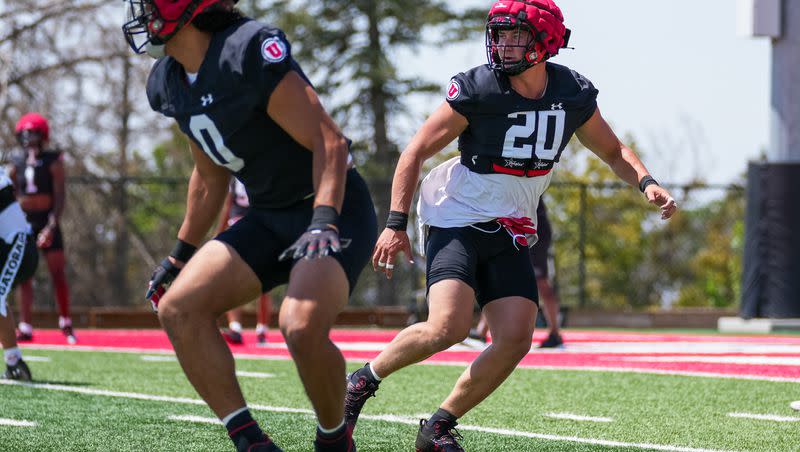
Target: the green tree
(348, 49)
(632, 258)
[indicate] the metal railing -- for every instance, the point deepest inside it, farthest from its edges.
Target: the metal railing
(610, 249)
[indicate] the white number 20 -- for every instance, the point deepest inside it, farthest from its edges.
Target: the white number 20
(534, 122)
(207, 134)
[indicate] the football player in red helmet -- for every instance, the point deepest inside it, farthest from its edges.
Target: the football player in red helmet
(39, 179)
(513, 117)
(234, 88)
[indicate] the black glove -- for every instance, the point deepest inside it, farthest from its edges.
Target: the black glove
(315, 243)
(162, 277)
(320, 239)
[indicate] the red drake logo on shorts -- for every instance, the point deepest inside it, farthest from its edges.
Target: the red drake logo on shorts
(273, 50)
(454, 90)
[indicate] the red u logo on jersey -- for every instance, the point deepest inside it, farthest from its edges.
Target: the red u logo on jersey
(453, 90)
(273, 50)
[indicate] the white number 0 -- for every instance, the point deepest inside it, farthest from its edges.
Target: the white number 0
(510, 150)
(207, 134)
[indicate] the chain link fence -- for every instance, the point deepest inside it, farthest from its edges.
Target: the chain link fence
(610, 251)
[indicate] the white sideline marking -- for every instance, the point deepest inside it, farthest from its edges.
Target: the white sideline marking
(765, 417)
(578, 417)
(677, 347)
(196, 419)
(388, 418)
(636, 370)
(593, 441)
(244, 373)
(753, 360)
(16, 423)
(604, 348)
(36, 359)
(795, 405)
(159, 358)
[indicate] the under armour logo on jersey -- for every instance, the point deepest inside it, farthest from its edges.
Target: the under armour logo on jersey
(558, 106)
(207, 99)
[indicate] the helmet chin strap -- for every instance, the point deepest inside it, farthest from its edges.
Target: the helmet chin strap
(155, 51)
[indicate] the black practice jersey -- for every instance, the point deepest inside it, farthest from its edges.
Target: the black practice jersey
(225, 111)
(33, 175)
(513, 132)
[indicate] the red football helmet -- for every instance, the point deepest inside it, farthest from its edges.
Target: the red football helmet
(154, 22)
(537, 26)
(32, 129)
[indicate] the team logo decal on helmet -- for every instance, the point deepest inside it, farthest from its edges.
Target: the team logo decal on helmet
(523, 33)
(454, 90)
(154, 22)
(273, 50)
(32, 129)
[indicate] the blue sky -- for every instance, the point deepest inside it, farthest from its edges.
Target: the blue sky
(674, 75)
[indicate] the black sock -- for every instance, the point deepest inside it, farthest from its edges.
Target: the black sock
(441, 415)
(244, 431)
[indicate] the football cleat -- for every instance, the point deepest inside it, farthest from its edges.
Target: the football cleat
(24, 337)
(474, 334)
(554, 340)
(261, 338)
(232, 337)
(69, 335)
(18, 371)
(440, 437)
(359, 389)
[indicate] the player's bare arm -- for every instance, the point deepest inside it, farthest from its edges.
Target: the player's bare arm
(598, 137)
(208, 187)
(440, 129)
(295, 106)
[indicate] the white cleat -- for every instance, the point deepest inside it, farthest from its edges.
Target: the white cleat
(795, 405)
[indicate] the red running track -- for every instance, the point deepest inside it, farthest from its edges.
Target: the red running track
(772, 357)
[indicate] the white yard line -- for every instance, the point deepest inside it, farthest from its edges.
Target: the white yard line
(758, 360)
(159, 358)
(36, 359)
(16, 423)
(765, 417)
(593, 441)
(195, 419)
(578, 417)
(244, 373)
(387, 418)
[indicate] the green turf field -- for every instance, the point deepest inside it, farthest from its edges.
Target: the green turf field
(93, 401)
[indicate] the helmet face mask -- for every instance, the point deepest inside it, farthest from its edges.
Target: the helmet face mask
(136, 28)
(29, 138)
(510, 45)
